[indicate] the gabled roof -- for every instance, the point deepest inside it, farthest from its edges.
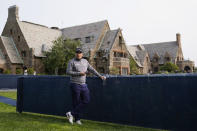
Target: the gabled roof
(141, 54)
(11, 49)
(37, 35)
(133, 49)
(108, 41)
(161, 49)
(92, 30)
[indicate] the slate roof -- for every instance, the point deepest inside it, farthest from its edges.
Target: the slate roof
(141, 56)
(11, 49)
(37, 35)
(92, 30)
(133, 52)
(161, 49)
(138, 51)
(108, 41)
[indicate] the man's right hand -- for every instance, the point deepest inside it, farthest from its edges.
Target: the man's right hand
(103, 77)
(82, 73)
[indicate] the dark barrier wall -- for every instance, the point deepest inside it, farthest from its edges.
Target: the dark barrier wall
(156, 101)
(8, 81)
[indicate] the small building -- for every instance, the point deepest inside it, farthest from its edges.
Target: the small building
(149, 57)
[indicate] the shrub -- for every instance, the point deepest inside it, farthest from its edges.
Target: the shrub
(170, 67)
(114, 71)
(133, 67)
(19, 71)
(7, 71)
(30, 71)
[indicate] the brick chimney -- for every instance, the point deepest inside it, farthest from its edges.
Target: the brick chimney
(178, 39)
(13, 13)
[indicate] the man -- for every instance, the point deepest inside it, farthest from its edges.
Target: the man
(77, 69)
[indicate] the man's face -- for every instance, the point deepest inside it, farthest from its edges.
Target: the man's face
(79, 55)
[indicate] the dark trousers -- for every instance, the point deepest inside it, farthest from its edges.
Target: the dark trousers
(80, 97)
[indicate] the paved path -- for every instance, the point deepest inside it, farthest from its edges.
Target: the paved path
(6, 90)
(9, 101)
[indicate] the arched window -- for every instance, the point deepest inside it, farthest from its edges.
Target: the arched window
(155, 59)
(19, 38)
(187, 69)
(167, 58)
(11, 32)
(120, 40)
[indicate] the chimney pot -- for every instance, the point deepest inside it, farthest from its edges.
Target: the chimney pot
(178, 39)
(13, 12)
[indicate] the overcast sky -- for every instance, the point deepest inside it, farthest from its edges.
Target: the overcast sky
(142, 21)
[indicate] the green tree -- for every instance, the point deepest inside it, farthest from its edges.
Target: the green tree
(170, 67)
(61, 52)
(133, 67)
(30, 71)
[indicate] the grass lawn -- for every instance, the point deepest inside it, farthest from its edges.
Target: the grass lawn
(10, 120)
(10, 94)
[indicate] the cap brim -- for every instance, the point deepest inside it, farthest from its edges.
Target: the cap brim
(78, 52)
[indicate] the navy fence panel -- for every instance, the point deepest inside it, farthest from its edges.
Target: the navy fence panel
(8, 81)
(156, 101)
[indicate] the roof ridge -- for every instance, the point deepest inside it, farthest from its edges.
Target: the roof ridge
(151, 43)
(35, 24)
(102, 40)
(115, 37)
(158, 43)
(84, 24)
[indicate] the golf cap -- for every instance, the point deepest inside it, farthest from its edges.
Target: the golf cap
(79, 50)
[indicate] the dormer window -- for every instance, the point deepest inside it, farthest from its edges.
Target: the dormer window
(167, 58)
(23, 53)
(87, 39)
(44, 48)
(155, 59)
(77, 39)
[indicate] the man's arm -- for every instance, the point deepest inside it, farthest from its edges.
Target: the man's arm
(70, 71)
(92, 70)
